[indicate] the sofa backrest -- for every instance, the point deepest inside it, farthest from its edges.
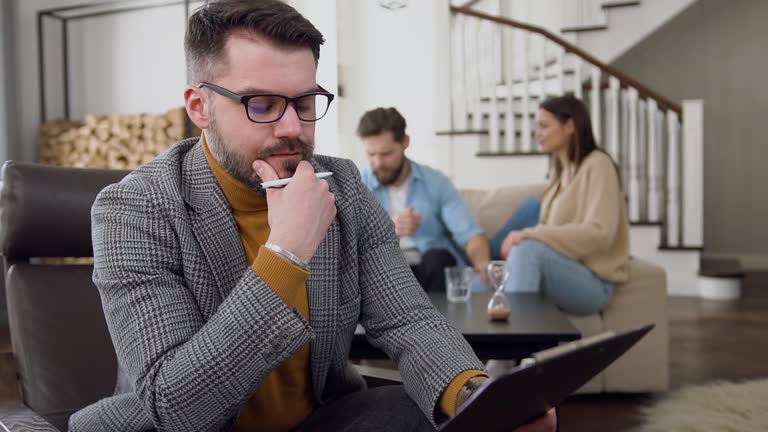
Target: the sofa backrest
(63, 352)
(492, 208)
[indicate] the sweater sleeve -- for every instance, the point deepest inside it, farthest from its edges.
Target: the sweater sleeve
(285, 278)
(451, 393)
(601, 200)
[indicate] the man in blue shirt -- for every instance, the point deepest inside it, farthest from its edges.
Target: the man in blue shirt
(435, 228)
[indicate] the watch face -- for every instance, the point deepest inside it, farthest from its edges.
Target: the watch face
(393, 4)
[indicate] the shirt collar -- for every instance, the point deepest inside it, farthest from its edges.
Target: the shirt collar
(415, 174)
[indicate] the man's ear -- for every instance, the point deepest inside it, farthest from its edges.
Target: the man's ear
(196, 101)
(406, 141)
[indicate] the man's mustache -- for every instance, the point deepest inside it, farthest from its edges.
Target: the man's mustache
(286, 145)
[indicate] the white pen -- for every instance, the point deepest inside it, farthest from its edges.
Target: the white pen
(285, 181)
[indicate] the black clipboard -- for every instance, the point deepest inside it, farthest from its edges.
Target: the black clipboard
(529, 391)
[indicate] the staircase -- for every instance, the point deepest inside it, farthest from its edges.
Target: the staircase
(608, 28)
(501, 69)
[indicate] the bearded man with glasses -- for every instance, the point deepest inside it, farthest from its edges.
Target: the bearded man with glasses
(232, 307)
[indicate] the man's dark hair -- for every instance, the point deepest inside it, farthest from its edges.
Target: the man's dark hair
(380, 120)
(210, 26)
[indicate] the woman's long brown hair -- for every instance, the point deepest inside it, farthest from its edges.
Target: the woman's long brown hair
(583, 142)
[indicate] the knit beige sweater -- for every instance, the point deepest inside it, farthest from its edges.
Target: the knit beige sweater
(587, 220)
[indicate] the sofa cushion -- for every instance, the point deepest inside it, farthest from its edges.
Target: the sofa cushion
(639, 301)
(492, 208)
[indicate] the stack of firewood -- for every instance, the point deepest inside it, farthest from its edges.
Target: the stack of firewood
(112, 141)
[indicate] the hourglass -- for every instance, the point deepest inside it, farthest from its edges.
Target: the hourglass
(498, 306)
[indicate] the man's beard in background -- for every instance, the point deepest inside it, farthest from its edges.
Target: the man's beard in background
(386, 181)
(241, 169)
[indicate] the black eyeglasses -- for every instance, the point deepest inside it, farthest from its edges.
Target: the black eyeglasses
(269, 108)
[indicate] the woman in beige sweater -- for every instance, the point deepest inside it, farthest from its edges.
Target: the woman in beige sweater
(579, 249)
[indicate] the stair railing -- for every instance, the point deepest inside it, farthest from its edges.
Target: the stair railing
(501, 69)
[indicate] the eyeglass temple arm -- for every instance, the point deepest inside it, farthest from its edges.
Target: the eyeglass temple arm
(221, 90)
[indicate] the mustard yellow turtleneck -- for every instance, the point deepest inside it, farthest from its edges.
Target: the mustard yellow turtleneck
(285, 398)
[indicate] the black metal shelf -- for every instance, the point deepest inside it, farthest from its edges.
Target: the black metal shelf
(65, 15)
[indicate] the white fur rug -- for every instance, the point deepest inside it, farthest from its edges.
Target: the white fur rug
(720, 406)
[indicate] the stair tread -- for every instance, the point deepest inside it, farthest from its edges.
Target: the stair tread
(680, 248)
(586, 28)
(514, 98)
(619, 4)
(506, 153)
(501, 115)
(723, 268)
(475, 132)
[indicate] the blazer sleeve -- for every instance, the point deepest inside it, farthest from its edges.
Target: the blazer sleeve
(397, 315)
(189, 373)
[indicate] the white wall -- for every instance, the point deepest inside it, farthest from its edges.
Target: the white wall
(127, 63)
(628, 26)
(390, 58)
(323, 15)
(552, 15)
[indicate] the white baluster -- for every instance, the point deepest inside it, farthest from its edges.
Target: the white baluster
(459, 76)
(509, 79)
(624, 136)
(613, 118)
(578, 90)
(559, 87)
(489, 63)
(642, 164)
(673, 180)
(474, 95)
(543, 71)
(595, 102)
(525, 98)
(654, 167)
(634, 159)
(693, 173)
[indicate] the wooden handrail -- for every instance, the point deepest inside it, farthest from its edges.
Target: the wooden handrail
(644, 92)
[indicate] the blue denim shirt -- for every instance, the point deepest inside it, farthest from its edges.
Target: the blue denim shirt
(446, 223)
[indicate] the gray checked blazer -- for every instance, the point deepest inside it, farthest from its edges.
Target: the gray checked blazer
(196, 330)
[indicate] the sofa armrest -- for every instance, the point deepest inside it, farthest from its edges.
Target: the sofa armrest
(376, 376)
(15, 417)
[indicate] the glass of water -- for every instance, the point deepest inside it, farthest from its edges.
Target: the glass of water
(457, 281)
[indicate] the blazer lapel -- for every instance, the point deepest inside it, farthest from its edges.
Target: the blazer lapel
(212, 222)
(324, 298)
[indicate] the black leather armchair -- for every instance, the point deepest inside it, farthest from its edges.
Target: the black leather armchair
(64, 355)
(62, 350)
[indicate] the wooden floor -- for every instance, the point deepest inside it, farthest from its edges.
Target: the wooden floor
(710, 340)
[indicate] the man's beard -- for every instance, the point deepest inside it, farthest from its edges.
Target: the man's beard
(386, 181)
(241, 168)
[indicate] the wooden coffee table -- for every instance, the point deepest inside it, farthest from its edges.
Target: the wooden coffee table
(535, 324)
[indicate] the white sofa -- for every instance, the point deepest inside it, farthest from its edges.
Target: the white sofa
(641, 300)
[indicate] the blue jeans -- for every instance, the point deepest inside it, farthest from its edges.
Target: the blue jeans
(526, 216)
(571, 286)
